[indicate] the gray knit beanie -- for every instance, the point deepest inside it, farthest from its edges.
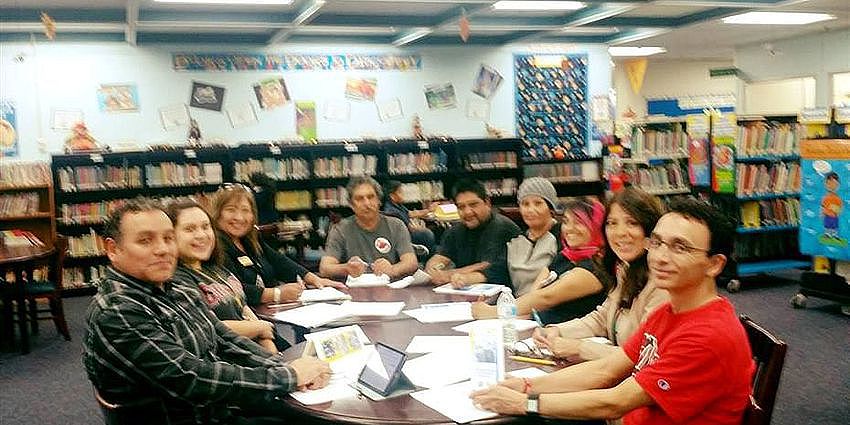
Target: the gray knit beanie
(541, 187)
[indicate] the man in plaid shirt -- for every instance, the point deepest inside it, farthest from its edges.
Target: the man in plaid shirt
(156, 346)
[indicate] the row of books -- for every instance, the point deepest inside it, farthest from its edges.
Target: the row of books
(424, 191)
(760, 138)
(490, 160)
(345, 166)
(19, 204)
(500, 187)
(764, 246)
(88, 213)
(90, 245)
(646, 143)
(18, 237)
(658, 177)
(779, 177)
(293, 200)
(279, 169)
(585, 171)
(166, 174)
(422, 162)
(332, 197)
(81, 277)
(774, 212)
(18, 174)
(73, 179)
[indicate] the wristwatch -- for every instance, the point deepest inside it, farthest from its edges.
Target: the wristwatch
(532, 406)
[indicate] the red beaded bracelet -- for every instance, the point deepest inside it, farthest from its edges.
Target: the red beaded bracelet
(527, 385)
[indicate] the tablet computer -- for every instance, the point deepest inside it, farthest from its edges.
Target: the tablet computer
(382, 372)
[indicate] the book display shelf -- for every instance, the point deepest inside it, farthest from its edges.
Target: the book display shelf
(655, 158)
(26, 204)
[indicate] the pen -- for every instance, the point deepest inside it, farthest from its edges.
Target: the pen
(536, 317)
(532, 360)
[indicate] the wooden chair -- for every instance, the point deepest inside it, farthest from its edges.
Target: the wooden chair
(139, 412)
(51, 290)
(769, 355)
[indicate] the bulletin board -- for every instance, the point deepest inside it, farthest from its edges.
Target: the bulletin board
(552, 111)
(825, 198)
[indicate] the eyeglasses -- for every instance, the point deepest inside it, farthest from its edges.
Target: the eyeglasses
(675, 247)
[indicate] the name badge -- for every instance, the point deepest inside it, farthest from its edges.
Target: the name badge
(245, 261)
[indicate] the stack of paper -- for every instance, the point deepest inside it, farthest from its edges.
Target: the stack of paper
(345, 371)
(430, 344)
(438, 369)
(367, 280)
(478, 289)
(325, 294)
(372, 308)
(313, 315)
(445, 312)
(520, 325)
(453, 402)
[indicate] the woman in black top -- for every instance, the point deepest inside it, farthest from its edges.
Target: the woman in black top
(219, 288)
(259, 267)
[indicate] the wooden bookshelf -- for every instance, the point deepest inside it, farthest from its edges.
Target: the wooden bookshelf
(41, 223)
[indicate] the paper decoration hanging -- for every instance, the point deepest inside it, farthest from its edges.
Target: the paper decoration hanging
(440, 96)
(636, 70)
(389, 110)
(463, 27)
(8, 129)
(305, 120)
(363, 89)
(242, 115)
(206, 96)
(486, 82)
(271, 93)
(49, 26)
(112, 98)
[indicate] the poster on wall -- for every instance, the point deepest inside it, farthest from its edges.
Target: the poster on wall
(440, 96)
(724, 130)
(64, 119)
(487, 82)
(271, 93)
(363, 89)
(242, 115)
(174, 117)
(114, 98)
(825, 198)
(337, 111)
(206, 96)
(305, 120)
(699, 170)
(8, 129)
(389, 110)
(478, 109)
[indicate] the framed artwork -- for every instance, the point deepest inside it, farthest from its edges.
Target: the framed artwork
(112, 98)
(8, 129)
(64, 119)
(305, 120)
(242, 115)
(206, 96)
(487, 82)
(390, 110)
(361, 88)
(174, 117)
(271, 93)
(440, 96)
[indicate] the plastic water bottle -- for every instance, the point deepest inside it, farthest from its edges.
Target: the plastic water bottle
(506, 309)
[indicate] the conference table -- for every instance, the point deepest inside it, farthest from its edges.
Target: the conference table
(396, 332)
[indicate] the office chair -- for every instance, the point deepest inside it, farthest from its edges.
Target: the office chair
(769, 355)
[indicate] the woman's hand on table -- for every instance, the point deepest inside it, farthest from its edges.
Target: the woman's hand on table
(482, 310)
(321, 282)
(311, 373)
(559, 346)
(291, 291)
(500, 399)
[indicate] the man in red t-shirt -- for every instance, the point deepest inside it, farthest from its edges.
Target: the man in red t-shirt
(689, 363)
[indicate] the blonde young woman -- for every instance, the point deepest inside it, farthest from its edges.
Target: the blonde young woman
(259, 267)
(197, 268)
(631, 216)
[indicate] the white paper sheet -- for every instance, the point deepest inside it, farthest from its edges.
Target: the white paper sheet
(367, 280)
(373, 308)
(452, 367)
(445, 312)
(338, 388)
(520, 324)
(529, 372)
(313, 315)
(418, 278)
(478, 289)
(430, 344)
(325, 294)
(453, 402)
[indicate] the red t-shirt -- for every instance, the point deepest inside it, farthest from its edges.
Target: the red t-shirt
(697, 366)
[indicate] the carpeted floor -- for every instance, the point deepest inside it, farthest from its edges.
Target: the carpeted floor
(49, 386)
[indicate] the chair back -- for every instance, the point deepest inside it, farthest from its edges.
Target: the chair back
(143, 411)
(769, 355)
(58, 262)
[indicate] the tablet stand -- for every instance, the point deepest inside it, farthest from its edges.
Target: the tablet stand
(402, 387)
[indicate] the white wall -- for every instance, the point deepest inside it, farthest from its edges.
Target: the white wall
(66, 76)
(817, 56)
(670, 79)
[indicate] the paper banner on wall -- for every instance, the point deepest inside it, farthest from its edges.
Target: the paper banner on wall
(64, 119)
(636, 70)
(206, 96)
(440, 96)
(362, 89)
(271, 93)
(8, 129)
(337, 111)
(305, 120)
(486, 82)
(174, 117)
(113, 98)
(478, 109)
(389, 110)
(242, 115)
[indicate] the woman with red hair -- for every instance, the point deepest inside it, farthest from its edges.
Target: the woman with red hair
(580, 283)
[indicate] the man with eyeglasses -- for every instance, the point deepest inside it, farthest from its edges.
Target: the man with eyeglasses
(690, 361)
(477, 245)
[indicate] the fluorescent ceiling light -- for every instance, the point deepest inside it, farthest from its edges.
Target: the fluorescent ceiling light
(538, 5)
(590, 30)
(620, 51)
(777, 18)
(227, 1)
(412, 36)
